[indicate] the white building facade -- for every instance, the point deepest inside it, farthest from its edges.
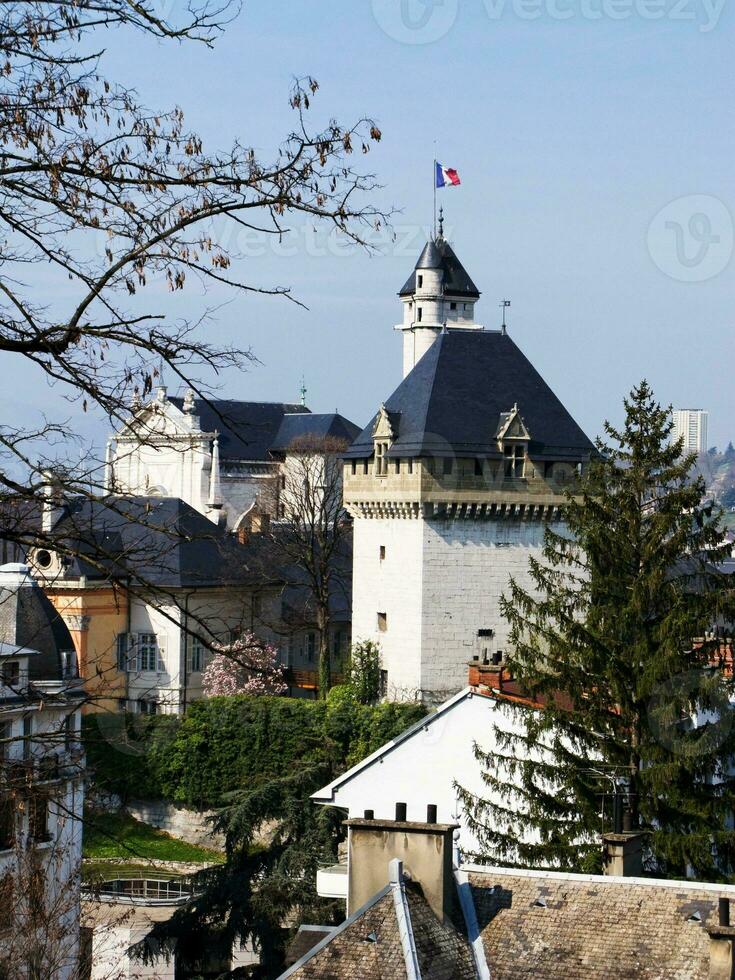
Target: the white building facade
(690, 424)
(41, 788)
(451, 486)
(222, 457)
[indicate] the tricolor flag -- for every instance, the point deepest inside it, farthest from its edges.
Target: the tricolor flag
(445, 176)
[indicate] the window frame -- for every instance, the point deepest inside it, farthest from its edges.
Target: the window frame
(38, 818)
(7, 668)
(381, 457)
(149, 651)
(195, 654)
(8, 819)
(514, 460)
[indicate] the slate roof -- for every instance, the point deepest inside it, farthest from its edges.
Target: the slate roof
(246, 429)
(554, 926)
(452, 401)
(367, 946)
(456, 280)
(29, 620)
(160, 541)
(301, 425)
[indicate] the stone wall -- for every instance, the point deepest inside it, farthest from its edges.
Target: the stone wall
(467, 567)
(192, 826)
(439, 582)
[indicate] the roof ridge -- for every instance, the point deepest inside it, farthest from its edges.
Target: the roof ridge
(403, 917)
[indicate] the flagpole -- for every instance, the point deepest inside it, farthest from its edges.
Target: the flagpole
(433, 180)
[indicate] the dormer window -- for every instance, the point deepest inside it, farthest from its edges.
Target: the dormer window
(515, 461)
(513, 438)
(382, 440)
(11, 674)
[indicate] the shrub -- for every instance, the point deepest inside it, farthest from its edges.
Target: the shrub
(232, 743)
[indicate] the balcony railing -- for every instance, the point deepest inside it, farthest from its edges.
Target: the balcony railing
(141, 891)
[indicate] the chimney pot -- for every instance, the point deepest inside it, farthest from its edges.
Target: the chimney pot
(369, 814)
(431, 813)
(401, 810)
(617, 813)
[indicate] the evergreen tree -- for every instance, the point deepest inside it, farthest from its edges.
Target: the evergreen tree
(615, 643)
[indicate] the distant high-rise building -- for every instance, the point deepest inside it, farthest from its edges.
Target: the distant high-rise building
(691, 425)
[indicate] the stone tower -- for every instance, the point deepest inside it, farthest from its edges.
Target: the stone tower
(450, 486)
(437, 295)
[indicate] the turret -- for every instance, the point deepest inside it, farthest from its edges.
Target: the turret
(438, 295)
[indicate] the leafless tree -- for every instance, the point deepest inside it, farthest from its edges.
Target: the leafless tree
(101, 194)
(311, 537)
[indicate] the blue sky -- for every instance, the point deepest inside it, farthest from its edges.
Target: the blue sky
(595, 152)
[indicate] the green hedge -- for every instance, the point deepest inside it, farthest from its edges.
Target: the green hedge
(229, 743)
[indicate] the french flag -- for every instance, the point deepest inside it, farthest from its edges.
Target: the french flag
(445, 176)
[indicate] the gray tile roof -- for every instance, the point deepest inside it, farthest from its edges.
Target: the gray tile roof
(301, 425)
(453, 400)
(456, 280)
(247, 429)
(28, 619)
(550, 926)
(160, 541)
(368, 945)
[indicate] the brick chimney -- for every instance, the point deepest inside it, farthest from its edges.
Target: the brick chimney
(721, 945)
(424, 848)
(487, 673)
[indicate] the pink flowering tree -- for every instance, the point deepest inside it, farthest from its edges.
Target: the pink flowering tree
(248, 665)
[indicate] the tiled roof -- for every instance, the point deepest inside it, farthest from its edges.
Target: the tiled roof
(246, 429)
(160, 541)
(552, 926)
(303, 425)
(453, 399)
(439, 254)
(28, 619)
(368, 945)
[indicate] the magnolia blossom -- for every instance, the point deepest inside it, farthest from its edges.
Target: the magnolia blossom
(245, 666)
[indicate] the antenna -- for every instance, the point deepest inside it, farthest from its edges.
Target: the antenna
(504, 305)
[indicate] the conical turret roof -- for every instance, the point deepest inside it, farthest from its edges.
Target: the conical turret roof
(439, 254)
(430, 258)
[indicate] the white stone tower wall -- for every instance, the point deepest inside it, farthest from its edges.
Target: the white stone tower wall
(393, 586)
(439, 583)
(467, 566)
(428, 296)
(416, 342)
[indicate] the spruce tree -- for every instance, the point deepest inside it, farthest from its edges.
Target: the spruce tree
(618, 642)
